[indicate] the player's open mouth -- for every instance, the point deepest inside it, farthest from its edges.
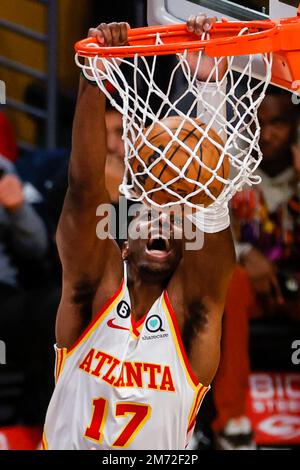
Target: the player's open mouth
(158, 247)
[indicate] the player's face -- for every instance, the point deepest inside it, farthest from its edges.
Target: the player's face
(159, 248)
(277, 127)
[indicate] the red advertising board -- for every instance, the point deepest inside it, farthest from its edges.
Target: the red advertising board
(273, 406)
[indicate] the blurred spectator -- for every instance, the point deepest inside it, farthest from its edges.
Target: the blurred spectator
(22, 231)
(8, 146)
(23, 239)
(267, 217)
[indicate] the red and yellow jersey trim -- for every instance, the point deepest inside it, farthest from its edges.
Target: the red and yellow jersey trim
(44, 442)
(174, 328)
(104, 311)
(61, 354)
(136, 326)
(199, 396)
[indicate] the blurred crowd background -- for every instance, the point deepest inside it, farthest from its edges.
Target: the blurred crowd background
(255, 399)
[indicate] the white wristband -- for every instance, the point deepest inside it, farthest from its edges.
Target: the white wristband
(213, 219)
(211, 105)
(211, 108)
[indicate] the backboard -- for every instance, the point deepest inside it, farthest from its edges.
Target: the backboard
(173, 11)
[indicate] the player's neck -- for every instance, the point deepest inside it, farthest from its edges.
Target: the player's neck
(141, 276)
(142, 297)
(143, 292)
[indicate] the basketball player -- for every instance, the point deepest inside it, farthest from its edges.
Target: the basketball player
(138, 331)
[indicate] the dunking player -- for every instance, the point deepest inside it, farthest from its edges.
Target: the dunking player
(137, 347)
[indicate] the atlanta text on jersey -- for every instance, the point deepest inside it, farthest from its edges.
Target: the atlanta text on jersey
(132, 374)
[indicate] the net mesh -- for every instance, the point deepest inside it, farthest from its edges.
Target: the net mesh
(226, 104)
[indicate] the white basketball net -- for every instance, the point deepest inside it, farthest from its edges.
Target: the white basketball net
(221, 105)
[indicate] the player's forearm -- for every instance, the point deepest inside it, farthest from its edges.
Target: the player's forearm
(88, 156)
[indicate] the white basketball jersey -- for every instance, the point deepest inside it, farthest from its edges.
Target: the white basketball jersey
(124, 384)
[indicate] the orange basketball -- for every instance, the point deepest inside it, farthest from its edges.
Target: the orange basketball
(208, 153)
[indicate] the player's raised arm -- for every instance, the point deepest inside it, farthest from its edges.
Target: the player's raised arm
(217, 250)
(84, 257)
(208, 262)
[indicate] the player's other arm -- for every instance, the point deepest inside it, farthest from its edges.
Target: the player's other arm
(86, 259)
(201, 281)
(207, 271)
(214, 262)
(203, 278)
